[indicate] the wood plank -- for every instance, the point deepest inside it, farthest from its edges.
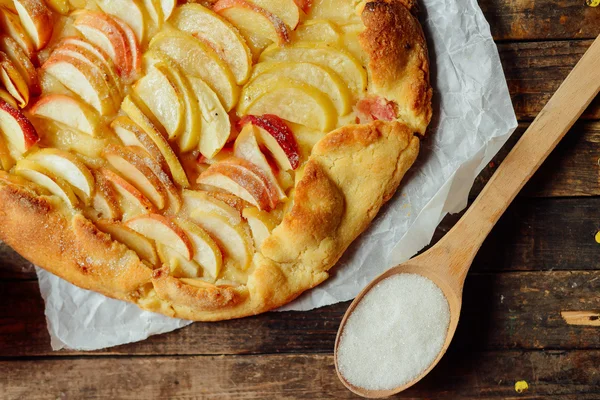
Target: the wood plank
(460, 375)
(530, 20)
(534, 70)
(500, 311)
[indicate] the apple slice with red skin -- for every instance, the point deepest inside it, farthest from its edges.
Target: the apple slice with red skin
(277, 137)
(136, 52)
(22, 62)
(106, 199)
(16, 128)
(36, 19)
(128, 192)
(9, 22)
(137, 242)
(243, 179)
(69, 111)
(13, 81)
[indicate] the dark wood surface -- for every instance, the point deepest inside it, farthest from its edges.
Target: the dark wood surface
(541, 259)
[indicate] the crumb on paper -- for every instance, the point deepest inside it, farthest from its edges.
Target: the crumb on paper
(521, 386)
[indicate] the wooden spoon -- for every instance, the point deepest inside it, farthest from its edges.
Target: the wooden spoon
(447, 263)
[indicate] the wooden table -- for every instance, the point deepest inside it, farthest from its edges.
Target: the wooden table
(541, 259)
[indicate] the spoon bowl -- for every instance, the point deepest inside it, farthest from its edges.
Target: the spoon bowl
(446, 264)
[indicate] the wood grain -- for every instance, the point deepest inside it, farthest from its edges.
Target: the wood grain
(535, 20)
(515, 310)
(461, 375)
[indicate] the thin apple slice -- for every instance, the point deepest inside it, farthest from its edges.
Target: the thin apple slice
(232, 239)
(7, 97)
(246, 147)
(13, 81)
(6, 178)
(69, 111)
(82, 80)
(37, 174)
(304, 5)
(291, 100)
(102, 30)
(36, 19)
(22, 62)
(258, 26)
(132, 135)
(200, 200)
(106, 199)
(261, 224)
(314, 75)
(198, 59)
(9, 21)
(6, 159)
(274, 134)
(132, 108)
(243, 179)
(131, 12)
(134, 46)
(162, 97)
(206, 250)
(225, 39)
(134, 169)
(60, 6)
(216, 125)
(17, 129)
(138, 243)
(178, 265)
(287, 10)
(345, 65)
(320, 30)
(167, 7)
(163, 230)
(154, 10)
(69, 168)
(133, 202)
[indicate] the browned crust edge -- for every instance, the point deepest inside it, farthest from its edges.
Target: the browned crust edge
(398, 59)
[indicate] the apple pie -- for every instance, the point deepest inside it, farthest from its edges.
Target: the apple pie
(205, 160)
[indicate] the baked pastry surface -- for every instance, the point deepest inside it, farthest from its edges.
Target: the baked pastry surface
(206, 160)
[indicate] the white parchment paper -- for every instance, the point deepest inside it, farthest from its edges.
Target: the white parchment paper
(473, 118)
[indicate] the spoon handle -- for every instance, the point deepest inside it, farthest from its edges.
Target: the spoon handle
(556, 118)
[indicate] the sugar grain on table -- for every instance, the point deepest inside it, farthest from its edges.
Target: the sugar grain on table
(394, 334)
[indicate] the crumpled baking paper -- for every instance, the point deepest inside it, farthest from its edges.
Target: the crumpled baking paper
(473, 118)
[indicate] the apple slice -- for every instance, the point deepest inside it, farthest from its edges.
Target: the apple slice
(345, 65)
(9, 21)
(163, 99)
(4, 95)
(243, 179)
(6, 159)
(206, 250)
(17, 129)
(37, 174)
(69, 111)
(36, 19)
(261, 224)
(287, 10)
(69, 168)
(154, 10)
(167, 7)
(304, 5)
(135, 171)
(258, 26)
(133, 111)
(320, 30)
(83, 80)
(201, 200)
(313, 75)
(13, 81)
(246, 147)
(106, 199)
(131, 12)
(132, 135)
(102, 30)
(178, 265)
(22, 62)
(216, 126)
(60, 6)
(163, 230)
(274, 134)
(232, 239)
(291, 100)
(133, 201)
(140, 244)
(7, 178)
(225, 39)
(134, 46)
(190, 135)
(198, 59)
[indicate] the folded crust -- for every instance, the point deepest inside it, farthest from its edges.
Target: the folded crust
(349, 176)
(399, 65)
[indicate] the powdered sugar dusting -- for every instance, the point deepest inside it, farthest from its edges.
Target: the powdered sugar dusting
(394, 334)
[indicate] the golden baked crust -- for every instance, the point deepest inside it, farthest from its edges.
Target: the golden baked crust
(350, 173)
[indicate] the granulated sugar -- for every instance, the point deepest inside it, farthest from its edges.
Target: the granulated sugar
(394, 334)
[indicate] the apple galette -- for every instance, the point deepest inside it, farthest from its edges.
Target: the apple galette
(205, 160)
